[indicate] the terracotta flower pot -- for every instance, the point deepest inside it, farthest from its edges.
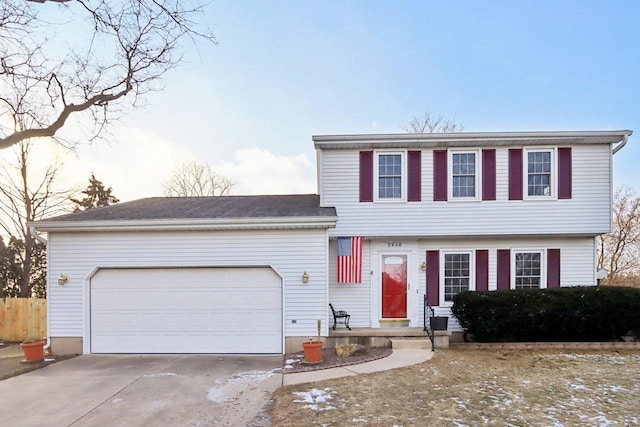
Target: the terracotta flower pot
(33, 351)
(312, 351)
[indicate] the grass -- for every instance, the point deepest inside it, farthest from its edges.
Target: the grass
(463, 387)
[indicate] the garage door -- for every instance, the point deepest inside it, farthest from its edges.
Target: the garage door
(186, 310)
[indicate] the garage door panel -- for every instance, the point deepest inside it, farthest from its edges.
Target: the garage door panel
(204, 310)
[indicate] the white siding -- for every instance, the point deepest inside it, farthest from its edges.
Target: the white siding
(289, 253)
(588, 212)
(577, 263)
(577, 268)
(355, 298)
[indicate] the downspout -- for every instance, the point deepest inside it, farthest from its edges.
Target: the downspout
(39, 238)
(621, 144)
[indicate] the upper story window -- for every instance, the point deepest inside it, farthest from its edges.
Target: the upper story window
(391, 176)
(464, 177)
(457, 274)
(528, 268)
(539, 173)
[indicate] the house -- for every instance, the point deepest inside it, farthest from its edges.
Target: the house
(397, 217)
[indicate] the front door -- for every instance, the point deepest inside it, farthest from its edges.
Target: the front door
(394, 286)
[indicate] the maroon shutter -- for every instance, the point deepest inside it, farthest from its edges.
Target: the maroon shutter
(433, 277)
(564, 173)
(553, 268)
(489, 174)
(504, 269)
(515, 174)
(366, 176)
(414, 166)
(440, 175)
(482, 270)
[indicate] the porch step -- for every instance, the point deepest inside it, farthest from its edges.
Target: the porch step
(414, 343)
(378, 332)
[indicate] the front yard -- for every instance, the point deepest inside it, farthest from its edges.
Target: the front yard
(464, 387)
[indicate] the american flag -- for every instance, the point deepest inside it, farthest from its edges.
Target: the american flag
(349, 259)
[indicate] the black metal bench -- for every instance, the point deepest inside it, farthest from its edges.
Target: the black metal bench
(340, 314)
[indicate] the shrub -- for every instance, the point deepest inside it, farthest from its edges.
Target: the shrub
(559, 314)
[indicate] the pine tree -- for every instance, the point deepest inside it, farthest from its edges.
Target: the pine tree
(96, 196)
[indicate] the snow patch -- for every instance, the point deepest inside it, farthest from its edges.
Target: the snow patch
(230, 388)
(317, 400)
(161, 374)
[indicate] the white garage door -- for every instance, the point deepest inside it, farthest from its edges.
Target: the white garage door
(186, 310)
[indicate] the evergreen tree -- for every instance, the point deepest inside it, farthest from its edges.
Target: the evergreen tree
(96, 196)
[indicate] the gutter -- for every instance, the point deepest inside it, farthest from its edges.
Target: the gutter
(39, 238)
(35, 235)
(622, 143)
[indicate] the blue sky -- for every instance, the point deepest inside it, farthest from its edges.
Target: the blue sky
(286, 70)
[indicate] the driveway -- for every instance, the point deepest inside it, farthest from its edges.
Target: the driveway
(143, 390)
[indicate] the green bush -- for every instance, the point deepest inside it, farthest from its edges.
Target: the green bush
(561, 314)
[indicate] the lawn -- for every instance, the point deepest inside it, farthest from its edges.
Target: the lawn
(463, 387)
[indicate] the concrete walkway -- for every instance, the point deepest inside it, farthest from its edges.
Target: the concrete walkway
(398, 359)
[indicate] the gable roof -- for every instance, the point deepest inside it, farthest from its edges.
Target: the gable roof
(222, 212)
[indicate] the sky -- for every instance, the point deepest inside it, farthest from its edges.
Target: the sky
(283, 71)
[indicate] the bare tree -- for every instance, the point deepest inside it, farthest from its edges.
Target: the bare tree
(48, 73)
(619, 251)
(428, 123)
(24, 199)
(197, 179)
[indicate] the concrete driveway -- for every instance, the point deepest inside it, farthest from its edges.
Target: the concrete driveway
(143, 390)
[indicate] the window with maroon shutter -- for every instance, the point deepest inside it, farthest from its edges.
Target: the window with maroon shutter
(440, 175)
(564, 173)
(553, 268)
(414, 176)
(366, 176)
(515, 174)
(433, 277)
(482, 270)
(504, 269)
(488, 174)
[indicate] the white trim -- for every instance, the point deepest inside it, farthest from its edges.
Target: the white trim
(478, 164)
(190, 224)
(543, 265)
(553, 178)
(472, 272)
(403, 176)
(410, 248)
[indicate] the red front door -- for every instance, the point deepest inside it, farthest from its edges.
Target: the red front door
(394, 286)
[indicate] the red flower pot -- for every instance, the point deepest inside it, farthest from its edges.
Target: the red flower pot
(33, 351)
(312, 351)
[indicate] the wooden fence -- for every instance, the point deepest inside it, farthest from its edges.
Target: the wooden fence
(23, 318)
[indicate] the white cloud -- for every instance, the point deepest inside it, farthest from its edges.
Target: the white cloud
(135, 166)
(258, 171)
(138, 161)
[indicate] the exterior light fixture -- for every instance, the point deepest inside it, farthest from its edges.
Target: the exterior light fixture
(423, 266)
(63, 279)
(305, 277)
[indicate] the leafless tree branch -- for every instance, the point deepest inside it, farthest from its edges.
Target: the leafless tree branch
(46, 78)
(197, 179)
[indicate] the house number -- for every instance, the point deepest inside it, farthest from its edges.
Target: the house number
(394, 244)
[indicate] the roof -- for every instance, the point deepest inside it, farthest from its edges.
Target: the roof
(221, 212)
(468, 139)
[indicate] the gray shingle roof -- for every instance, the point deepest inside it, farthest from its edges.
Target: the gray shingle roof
(223, 207)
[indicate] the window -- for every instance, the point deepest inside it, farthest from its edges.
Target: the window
(528, 270)
(390, 176)
(457, 274)
(464, 175)
(539, 178)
